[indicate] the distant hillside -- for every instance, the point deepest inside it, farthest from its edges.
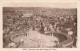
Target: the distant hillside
(36, 8)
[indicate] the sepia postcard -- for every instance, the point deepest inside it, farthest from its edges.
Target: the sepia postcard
(39, 25)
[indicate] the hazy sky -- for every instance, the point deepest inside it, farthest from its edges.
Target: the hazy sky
(54, 5)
